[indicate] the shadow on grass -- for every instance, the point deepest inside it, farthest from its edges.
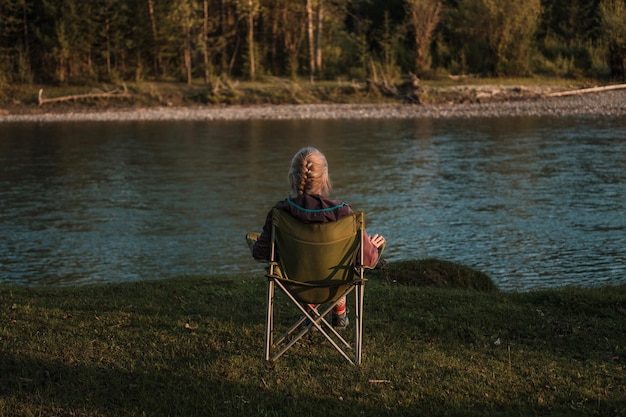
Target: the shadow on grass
(51, 388)
(125, 350)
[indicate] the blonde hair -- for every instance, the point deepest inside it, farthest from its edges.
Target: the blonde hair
(309, 173)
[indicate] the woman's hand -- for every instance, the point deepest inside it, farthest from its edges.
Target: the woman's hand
(377, 240)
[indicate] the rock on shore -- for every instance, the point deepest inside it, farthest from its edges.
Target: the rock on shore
(604, 104)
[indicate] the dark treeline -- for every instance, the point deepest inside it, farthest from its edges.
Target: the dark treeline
(78, 41)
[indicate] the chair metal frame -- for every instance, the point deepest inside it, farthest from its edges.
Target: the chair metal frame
(314, 317)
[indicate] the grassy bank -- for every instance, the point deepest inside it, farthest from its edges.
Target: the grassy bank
(192, 346)
(25, 98)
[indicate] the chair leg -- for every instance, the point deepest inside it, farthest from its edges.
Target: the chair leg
(290, 331)
(316, 320)
(358, 327)
(269, 320)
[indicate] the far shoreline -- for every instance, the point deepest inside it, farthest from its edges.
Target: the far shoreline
(601, 104)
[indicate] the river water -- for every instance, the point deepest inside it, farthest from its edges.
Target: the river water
(535, 202)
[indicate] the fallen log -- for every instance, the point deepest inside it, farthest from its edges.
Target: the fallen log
(587, 90)
(409, 90)
(109, 94)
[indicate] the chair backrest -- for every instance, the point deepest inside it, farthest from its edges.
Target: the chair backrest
(317, 260)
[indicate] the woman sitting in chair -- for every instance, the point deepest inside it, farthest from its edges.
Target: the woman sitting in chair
(308, 202)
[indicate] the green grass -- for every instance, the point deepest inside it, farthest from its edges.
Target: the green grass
(272, 90)
(434, 272)
(192, 346)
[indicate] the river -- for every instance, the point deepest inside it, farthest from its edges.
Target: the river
(535, 202)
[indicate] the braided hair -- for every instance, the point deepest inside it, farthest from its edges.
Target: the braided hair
(309, 173)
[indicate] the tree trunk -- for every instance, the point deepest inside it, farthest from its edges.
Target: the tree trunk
(25, 28)
(587, 90)
(251, 39)
(311, 39)
(276, 34)
(205, 39)
(187, 55)
(107, 35)
(154, 38)
(223, 29)
(318, 44)
(424, 16)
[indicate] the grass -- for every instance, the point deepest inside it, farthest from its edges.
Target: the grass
(192, 346)
(271, 90)
(436, 273)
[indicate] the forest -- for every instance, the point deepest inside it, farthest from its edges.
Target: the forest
(74, 42)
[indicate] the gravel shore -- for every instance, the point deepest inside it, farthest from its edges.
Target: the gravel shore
(604, 104)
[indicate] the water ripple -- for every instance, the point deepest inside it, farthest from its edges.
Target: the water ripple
(534, 202)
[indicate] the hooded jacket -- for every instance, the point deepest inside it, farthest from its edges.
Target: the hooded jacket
(311, 208)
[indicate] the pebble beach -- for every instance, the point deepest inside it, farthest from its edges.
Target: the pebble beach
(602, 104)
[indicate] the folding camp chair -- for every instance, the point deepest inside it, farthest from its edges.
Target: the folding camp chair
(315, 264)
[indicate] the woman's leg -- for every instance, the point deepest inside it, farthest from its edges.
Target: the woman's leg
(340, 316)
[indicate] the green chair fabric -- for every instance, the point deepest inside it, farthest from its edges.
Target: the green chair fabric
(317, 260)
(316, 263)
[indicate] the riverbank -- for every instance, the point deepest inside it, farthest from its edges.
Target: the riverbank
(192, 346)
(469, 101)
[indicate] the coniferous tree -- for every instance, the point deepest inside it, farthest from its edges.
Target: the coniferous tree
(14, 42)
(77, 41)
(496, 36)
(613, 13)
(248, 11)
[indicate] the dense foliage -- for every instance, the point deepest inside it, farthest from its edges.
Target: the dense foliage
(75, 41)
